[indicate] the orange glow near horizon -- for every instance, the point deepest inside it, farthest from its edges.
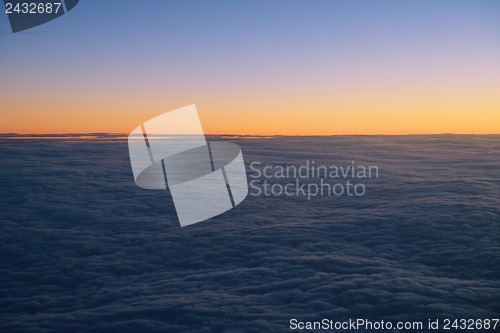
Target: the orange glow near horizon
(392, 111)
(307, 123)
(397, 127)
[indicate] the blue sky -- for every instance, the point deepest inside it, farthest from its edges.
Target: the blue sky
(286, 53)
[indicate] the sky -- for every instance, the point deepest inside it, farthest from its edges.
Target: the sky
(257, 67)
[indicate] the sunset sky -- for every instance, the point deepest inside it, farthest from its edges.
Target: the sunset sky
(257, 67)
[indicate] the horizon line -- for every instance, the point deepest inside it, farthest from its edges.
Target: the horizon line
(118, 134)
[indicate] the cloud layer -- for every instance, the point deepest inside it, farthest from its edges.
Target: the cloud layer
(85, 250)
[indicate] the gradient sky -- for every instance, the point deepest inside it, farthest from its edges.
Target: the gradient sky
(257, 67)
